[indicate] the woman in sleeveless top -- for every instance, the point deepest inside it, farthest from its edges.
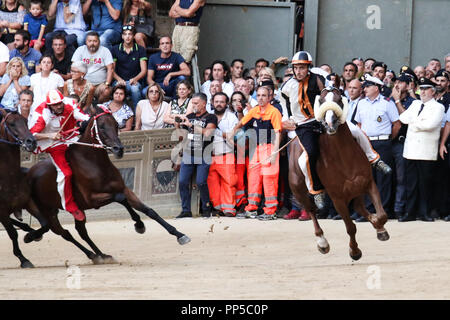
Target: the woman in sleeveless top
(150, 112)
(80, 86)
(138, 14)
(11, 20)
(120, 110)
(181, 106)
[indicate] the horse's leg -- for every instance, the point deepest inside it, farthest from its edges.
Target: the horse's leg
(139, 225)
(322, 243)
(21, 225)
(380, 218)
(36, 235)
(12, 233)
(56, 227)
(359, 206)
(342, 208)
(138, 205)
(80, 226)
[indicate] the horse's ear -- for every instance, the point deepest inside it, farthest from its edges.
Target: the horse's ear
(2, 113)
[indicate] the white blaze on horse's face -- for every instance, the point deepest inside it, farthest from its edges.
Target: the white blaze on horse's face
(330, 119)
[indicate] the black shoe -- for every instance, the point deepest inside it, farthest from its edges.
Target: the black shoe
(186, 214)
(398, 214)
(426, 218)
(407, 217)
(337, 217)
(447, 218)
(361, 219)
(354, 216)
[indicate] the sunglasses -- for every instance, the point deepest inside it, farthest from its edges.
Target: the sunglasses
(128, 28)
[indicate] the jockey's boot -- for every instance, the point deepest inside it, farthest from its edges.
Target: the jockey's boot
(78, 215)
(319, 200)
(382, 166)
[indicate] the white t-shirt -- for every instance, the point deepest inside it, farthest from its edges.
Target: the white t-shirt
(4, 52)
(41, 86)
(149, 118)
(95, 62)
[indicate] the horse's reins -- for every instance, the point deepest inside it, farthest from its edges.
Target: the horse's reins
(17, 141)
(94, 129)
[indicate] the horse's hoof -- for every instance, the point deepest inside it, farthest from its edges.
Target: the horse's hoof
(323, 250)
(108, 259)
(139, 227)
(383, 236)
(29, 237)
(96, 259)
(26, 265)
(357, 256)
(183, 240)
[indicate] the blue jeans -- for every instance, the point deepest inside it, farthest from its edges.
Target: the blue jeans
(109, 38)
(170, 90)
(134, 91)
(186, 171)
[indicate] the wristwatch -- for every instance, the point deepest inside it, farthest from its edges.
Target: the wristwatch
(107, 83)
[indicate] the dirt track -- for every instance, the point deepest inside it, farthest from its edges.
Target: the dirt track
(239, 259)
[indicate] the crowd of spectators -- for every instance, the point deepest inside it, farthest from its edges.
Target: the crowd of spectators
(103, 59)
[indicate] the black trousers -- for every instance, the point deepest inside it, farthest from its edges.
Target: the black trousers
(383, 181)
(419, 177)
(309, 138)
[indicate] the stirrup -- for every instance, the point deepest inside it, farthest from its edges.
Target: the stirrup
(319, 200)
(382, 166)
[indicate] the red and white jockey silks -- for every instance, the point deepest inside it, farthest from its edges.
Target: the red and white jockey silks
(43, 120)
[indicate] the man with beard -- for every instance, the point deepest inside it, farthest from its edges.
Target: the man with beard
(99, 63)
(402, 101)
(22, 50)
(222, 175)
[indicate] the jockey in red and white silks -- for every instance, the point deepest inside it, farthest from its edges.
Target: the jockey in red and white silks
(49, 123)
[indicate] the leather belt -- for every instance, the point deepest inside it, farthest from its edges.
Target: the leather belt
(382, 137)
(190, 24)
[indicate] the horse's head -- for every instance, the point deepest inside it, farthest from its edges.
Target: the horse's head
(331, 109)
(14, 130)
(104, 128)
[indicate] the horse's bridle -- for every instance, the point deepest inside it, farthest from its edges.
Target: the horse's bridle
(8, 131)
(94, 130)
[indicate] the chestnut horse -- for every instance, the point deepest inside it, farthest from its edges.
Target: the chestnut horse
(96, 183)
(343, 169)
(15, 192)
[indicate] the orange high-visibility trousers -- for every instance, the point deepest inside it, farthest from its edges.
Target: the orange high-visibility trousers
(262, 175)
(222, 183)
(241, 167)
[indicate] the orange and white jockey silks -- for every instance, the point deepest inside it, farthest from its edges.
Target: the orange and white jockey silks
(363, 142)
(262, 174)
(221, 183)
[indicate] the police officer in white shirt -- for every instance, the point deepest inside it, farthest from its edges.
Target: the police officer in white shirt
(379, 119)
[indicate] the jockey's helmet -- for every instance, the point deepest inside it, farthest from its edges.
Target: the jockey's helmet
(302, 57)
(54, 97)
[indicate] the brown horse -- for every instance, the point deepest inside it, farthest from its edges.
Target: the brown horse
(15, 192)
(344, 171)
(96, 183)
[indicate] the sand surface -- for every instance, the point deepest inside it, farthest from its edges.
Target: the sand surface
(233, 259)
